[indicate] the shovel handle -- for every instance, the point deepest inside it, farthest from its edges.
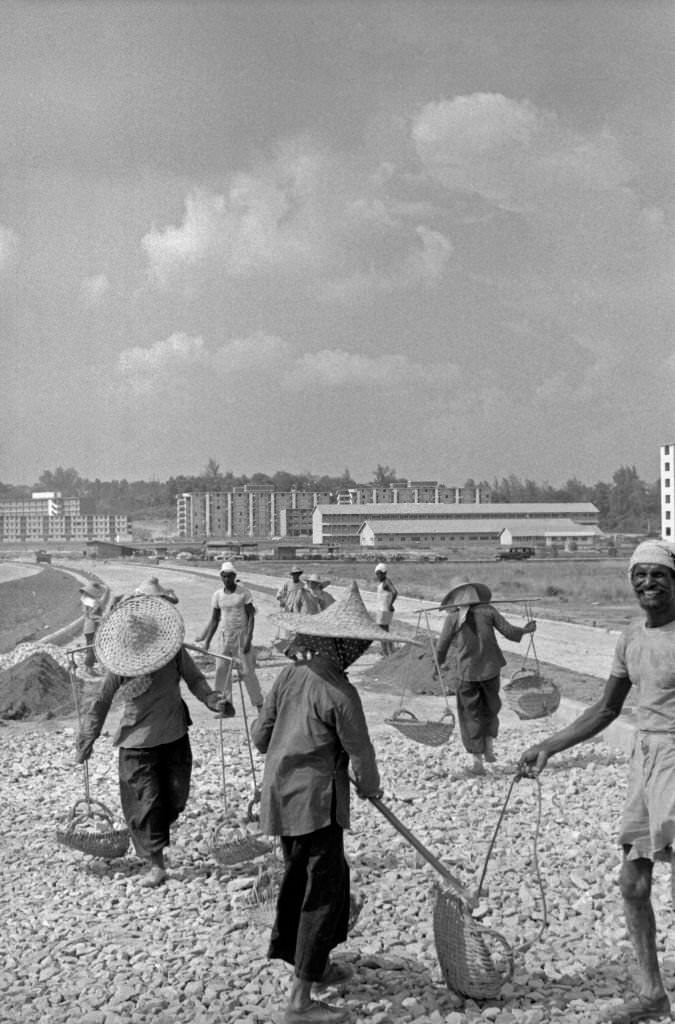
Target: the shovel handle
(428, 856)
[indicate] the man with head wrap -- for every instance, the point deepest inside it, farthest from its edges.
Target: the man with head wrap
(645, 659)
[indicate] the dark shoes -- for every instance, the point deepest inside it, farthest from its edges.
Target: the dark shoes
(638, 1009)
(228, 710)
(336, 973)
(316, 1013)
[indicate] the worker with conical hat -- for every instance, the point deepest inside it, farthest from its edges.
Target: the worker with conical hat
(470, 626)
(140, 644)
(313, 732)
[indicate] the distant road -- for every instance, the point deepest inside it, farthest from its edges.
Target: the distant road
(10, 571)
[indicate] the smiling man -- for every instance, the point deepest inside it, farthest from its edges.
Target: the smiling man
(644, 658)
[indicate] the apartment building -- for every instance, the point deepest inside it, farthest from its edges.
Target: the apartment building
(48, 516)
(252, 510)
(258, 510)
(667, 462)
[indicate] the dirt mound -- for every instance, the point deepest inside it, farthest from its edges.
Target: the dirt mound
(411, 670)
(34, 686)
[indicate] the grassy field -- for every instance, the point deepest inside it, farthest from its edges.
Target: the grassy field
(591, 592)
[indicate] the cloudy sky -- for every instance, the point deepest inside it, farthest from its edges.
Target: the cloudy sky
(317, 234)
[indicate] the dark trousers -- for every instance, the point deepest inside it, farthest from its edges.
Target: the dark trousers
(478, 706)
(313, 902)
(90, 653)
(154, 787)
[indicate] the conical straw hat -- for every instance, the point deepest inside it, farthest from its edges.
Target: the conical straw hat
(141, 635)
(347, 619)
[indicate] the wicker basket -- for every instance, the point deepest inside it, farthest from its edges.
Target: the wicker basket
(531, 695)
(90, 830)
(261, 904)
(475, 961)
(236, 845)
(433, 734)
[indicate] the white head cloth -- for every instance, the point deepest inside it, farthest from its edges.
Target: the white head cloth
(653, 552)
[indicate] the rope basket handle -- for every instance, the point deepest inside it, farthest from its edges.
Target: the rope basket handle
(86, 809)
(402, 714)
(510, 953)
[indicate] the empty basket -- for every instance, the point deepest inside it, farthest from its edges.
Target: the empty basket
(90, 830)
(531, 695)
(433, 734)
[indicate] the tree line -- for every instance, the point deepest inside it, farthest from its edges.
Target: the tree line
(626, 504)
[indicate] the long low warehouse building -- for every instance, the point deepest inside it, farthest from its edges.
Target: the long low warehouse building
(535, 532)
(342, 524)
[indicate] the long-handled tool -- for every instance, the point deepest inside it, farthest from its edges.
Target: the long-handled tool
(90, 827)
(232, 843)
(475, 960)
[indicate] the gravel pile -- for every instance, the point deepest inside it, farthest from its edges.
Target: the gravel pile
(83, 943)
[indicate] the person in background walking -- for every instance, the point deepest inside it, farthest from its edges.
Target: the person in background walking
(140, 644)
(232, 608)
(317, 588)
(295, 597)
(91, 598)
(384, 608)
(470, 625)
(644, 659)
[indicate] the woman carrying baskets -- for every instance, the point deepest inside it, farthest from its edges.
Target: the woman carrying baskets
(471, 625)
(140, 644)
(311, 728)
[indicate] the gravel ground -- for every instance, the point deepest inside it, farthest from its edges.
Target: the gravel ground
(86, 944)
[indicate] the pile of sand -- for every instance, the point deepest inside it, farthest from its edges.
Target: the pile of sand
(411, 670)
(36, 684)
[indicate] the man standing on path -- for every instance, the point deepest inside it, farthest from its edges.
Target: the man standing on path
(384, 608)
(644, 658)
(233, 607)
(295, 597)
(91, 598)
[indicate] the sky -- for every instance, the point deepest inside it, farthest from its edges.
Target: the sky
(317, 235)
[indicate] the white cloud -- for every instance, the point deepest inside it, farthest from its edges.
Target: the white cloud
(512, 153)
(9, 242)
(265, 219)
(93, 290)
(335, 368)
(174, 365)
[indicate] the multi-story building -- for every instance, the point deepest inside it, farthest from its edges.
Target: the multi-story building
(252, 510)
(48, 516)
(257, 510)
(667, 491)
(341, 525)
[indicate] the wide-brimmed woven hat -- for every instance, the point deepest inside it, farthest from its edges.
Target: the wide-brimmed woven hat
(153, 588)
(464, 591)
(141, 635)
(347, 618)
(315, 578)
(344, 630)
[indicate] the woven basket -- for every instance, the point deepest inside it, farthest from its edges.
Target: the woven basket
(531, 695)
(433, 734)
(261, 905)
(236, 845)
(475, 961)
(90, 830)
